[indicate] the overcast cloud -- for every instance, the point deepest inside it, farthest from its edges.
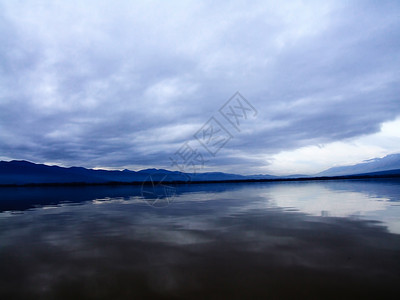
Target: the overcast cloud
(123, 84)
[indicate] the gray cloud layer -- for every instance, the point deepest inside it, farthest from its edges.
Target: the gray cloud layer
(119, 84)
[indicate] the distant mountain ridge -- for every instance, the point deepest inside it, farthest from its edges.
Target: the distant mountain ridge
(19, 172)
(389, 162)
(23, 172)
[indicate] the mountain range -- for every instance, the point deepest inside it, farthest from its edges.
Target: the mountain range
(18, 172)
(389, 162)
(23, 172)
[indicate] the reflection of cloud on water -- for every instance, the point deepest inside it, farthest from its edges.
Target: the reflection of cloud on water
(319, 200)
(221, 244)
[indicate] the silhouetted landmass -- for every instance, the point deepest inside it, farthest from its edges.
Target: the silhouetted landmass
(389, 162)
(23, 173)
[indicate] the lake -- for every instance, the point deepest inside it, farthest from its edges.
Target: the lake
(281, 240)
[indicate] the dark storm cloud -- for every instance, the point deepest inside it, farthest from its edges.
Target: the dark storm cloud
(122, 84)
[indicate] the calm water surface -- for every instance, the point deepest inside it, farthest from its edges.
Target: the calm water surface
(293, 240)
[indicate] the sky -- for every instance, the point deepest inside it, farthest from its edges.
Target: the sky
(153, 84)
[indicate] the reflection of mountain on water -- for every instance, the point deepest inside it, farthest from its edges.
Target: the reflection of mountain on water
(22, 198)
(227, 246)
(28, 197)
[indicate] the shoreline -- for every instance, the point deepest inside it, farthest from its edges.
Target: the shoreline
(136, 183)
